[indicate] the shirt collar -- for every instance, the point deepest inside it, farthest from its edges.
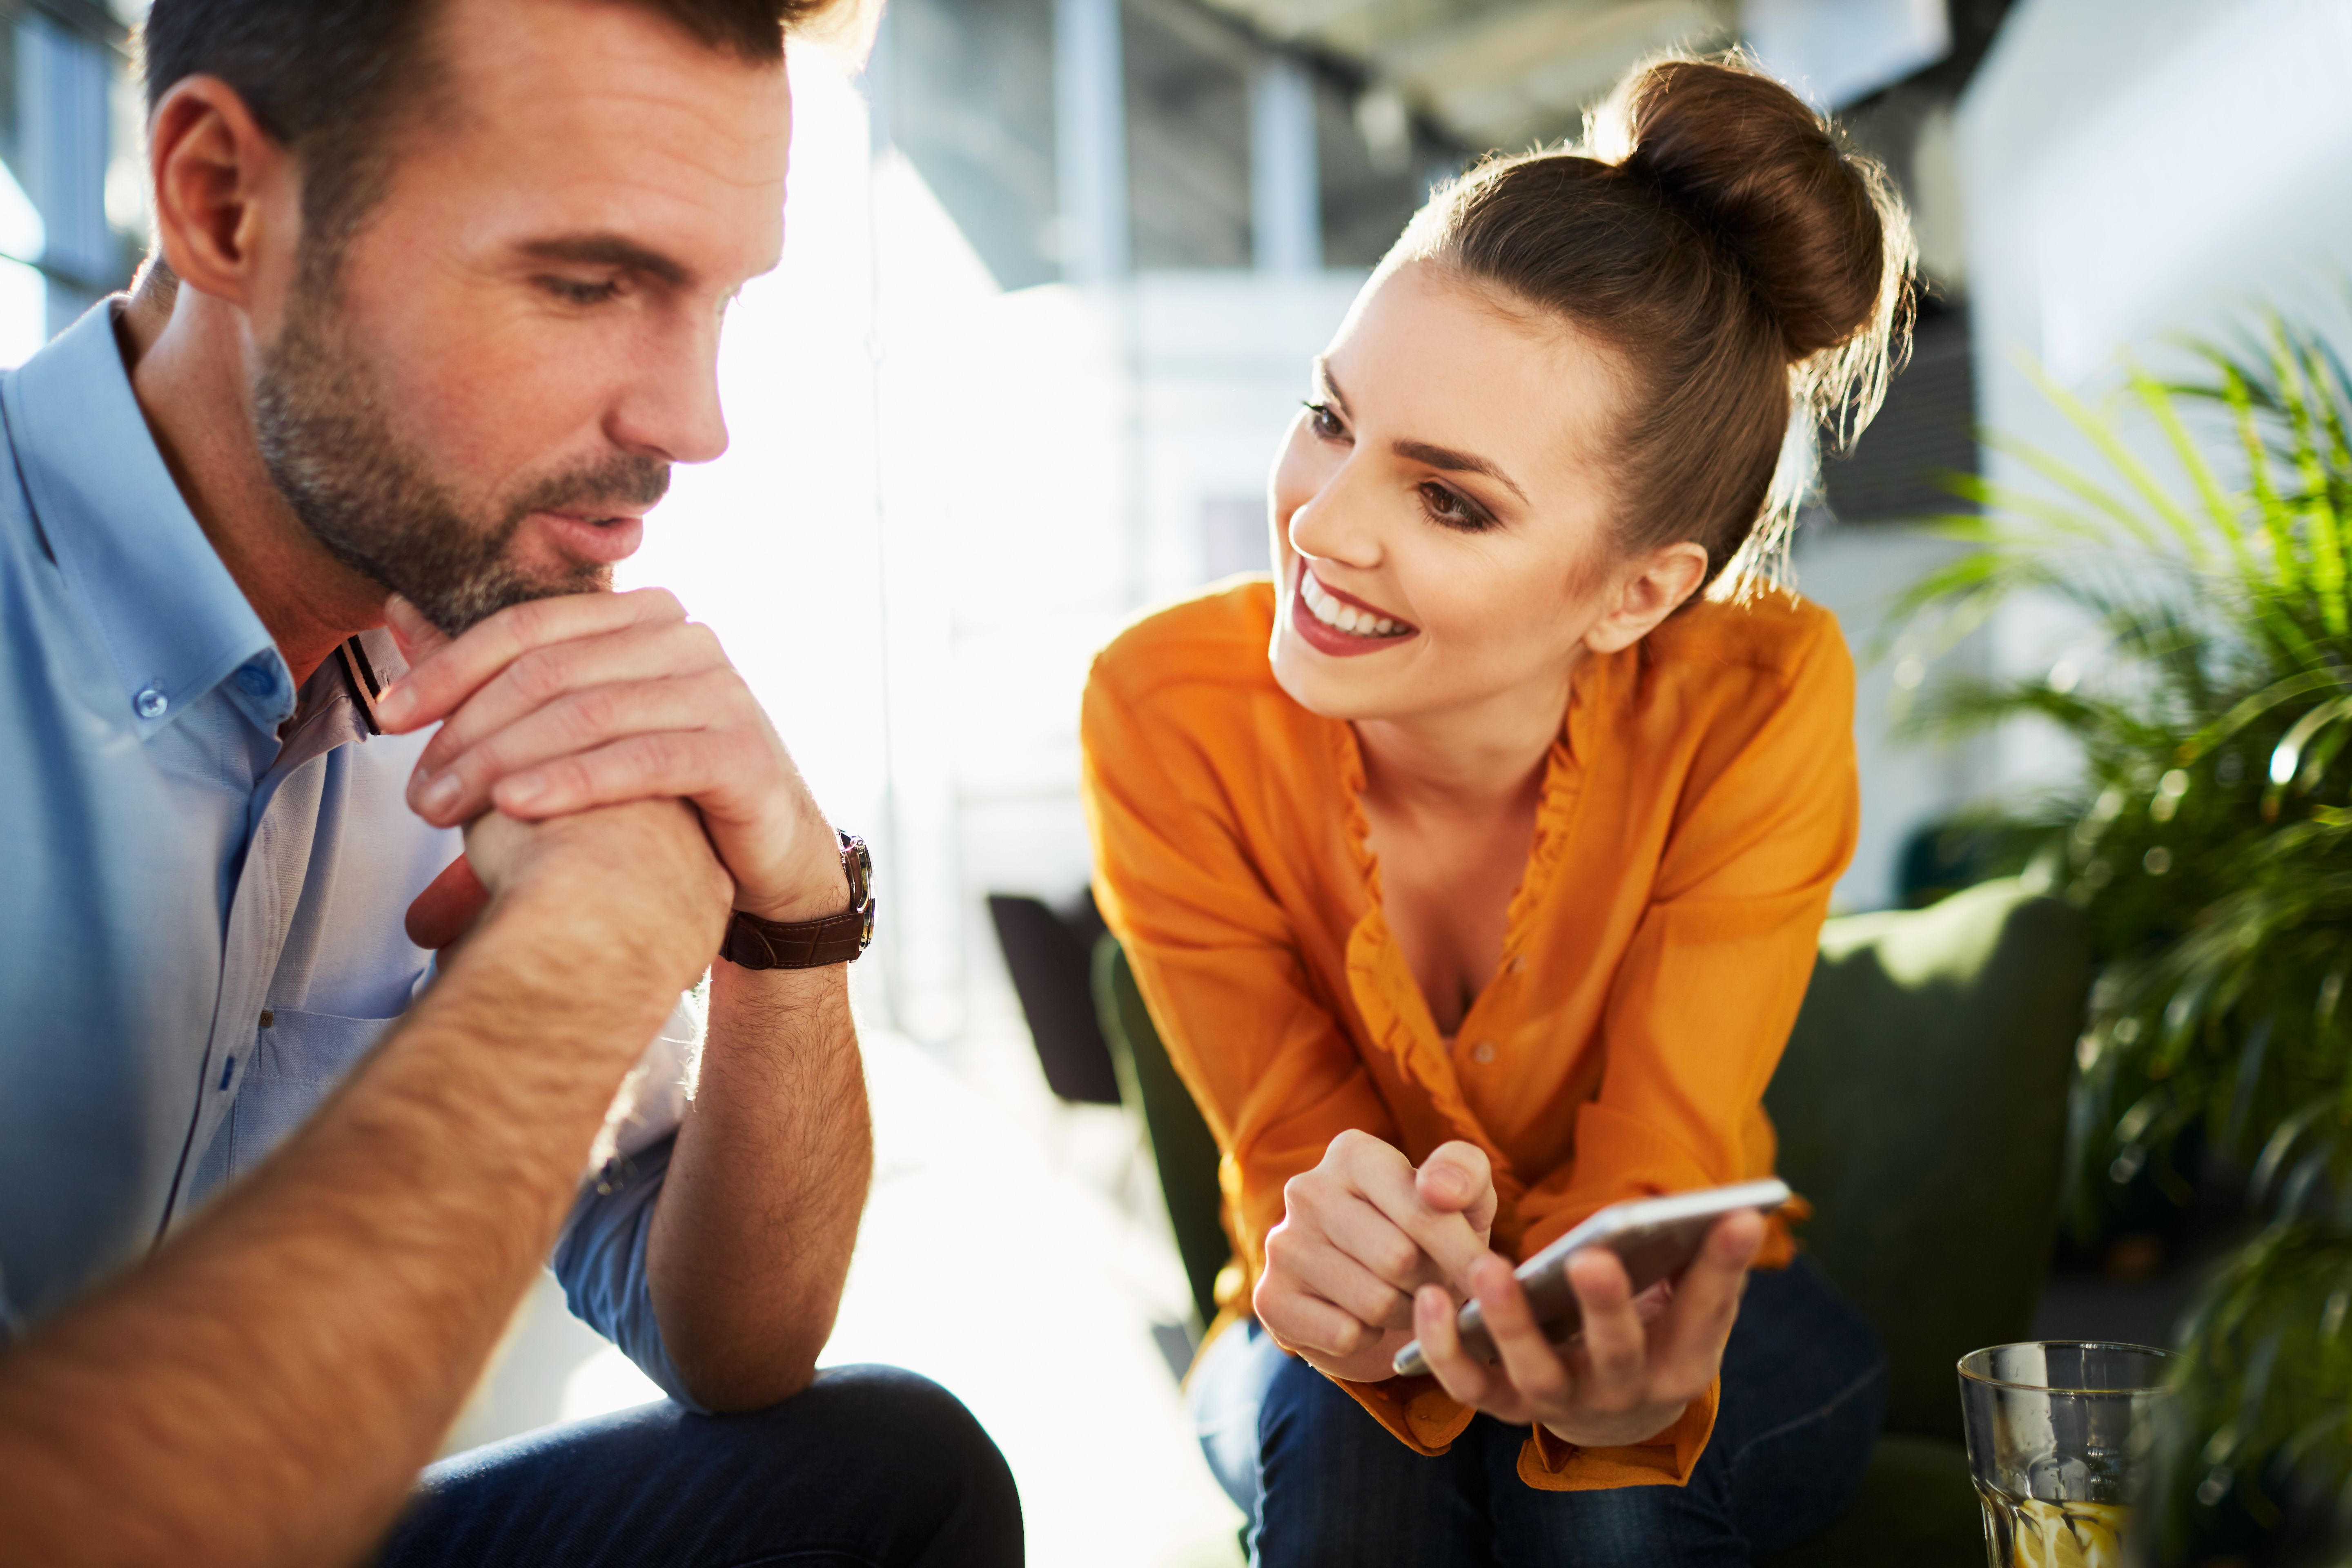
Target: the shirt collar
(174, 620)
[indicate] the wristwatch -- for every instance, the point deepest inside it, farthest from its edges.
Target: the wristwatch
(755, 943)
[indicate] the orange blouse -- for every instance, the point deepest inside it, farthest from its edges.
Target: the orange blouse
(1697, 805)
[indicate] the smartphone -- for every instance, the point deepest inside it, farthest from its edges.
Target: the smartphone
(1657, 1238)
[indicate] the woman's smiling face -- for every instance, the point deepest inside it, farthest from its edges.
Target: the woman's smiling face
(1442, 510)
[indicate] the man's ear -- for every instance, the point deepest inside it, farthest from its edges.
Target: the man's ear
(1656, 588)
(221, 184)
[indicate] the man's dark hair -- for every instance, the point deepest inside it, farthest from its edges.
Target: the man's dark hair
(336, 80)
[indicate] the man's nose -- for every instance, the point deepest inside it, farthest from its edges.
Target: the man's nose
(672, 411)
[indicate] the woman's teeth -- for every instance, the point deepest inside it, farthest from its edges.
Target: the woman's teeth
(1327, 608)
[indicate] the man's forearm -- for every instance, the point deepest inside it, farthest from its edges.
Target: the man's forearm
(759, 1213)
(264, 1388)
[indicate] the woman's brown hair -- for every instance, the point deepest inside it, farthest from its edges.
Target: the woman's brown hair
(1752, 275)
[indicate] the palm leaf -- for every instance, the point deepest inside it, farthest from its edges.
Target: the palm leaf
(2102, 435)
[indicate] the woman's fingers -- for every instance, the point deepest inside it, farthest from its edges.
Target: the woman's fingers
(1356, 1228)
(1385, 1178)
(1692, 1333)
(1459, 1372)
(1534, 1368)
(1458, 1177)
(1616, 1345)
(1314, 1260)
(1305, 1324)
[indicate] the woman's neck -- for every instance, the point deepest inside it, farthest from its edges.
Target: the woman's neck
(1467, 761)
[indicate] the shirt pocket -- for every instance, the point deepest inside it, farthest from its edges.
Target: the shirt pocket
(296, 1062)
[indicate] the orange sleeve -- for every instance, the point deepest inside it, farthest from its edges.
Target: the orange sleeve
(1702, 1002)
(1216, 960)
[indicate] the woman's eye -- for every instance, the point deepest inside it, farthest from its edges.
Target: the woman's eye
(573, 291)
(1451, 509)
(1324, 422)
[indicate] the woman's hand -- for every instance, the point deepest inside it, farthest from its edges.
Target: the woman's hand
(1623, 1380)
(1360, 1234)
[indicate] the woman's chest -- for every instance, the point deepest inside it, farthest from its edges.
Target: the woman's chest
(1447, 888)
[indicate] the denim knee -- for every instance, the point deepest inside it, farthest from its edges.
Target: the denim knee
(891, 1439)
(1621, 1527)
(906, 1426)
(1341, 1490)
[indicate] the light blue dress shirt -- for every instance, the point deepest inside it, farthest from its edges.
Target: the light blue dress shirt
(203, 876)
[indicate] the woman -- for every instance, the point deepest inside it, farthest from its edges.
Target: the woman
(1472, 869)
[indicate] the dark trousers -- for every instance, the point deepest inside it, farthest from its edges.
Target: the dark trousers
(1804, 1385)
(870, 1467)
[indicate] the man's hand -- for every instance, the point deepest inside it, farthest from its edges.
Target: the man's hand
(557, 705)
(1360, 1234)
(1634, 1370)
(557, 715)
(645, 866)
(648, 859)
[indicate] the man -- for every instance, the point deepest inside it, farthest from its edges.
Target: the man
(438, 297)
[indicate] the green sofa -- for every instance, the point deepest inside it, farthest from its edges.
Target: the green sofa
(1921, 1108)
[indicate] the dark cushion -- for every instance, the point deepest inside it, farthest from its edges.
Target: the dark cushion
(1921, 1108)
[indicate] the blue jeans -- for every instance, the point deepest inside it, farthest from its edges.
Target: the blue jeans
(868, 1468)
(1804, 1385)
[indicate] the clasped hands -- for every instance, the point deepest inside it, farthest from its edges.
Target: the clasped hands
(588, 715)
(1372, 1253)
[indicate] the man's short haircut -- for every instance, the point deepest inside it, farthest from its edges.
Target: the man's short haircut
(337, 80)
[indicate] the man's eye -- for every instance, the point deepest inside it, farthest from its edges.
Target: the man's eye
(1451, 509)
(1324, 422)
(573, 291)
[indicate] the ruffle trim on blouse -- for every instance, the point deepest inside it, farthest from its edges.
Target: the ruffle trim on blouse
(1395, 1015)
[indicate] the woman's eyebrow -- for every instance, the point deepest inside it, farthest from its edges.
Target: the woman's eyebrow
(1330, 388)
(1452, 461)
(1436, 457)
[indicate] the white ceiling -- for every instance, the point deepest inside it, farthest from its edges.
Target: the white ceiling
(1494, 73)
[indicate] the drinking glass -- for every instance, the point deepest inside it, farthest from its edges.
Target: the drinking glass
(2059, 1434)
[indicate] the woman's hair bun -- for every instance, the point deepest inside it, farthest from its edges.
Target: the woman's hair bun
(1818, 232)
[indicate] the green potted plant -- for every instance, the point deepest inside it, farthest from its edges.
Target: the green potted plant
(2209, 842)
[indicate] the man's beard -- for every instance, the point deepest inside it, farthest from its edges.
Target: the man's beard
(374, 502)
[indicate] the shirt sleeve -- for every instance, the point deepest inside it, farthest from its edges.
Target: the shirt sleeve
(1218, 965)
(1702, 1002)
(599, 1254)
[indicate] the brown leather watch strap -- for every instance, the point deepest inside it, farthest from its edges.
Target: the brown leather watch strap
(755, 943)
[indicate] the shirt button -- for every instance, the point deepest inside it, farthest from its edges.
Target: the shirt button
(1518, 962)
(1483, 1053)
(257, 678)
(151, 703)
(267, 1017)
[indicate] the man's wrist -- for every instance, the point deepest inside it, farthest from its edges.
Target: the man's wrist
(813, 902)
(818, 889)
(571, 933)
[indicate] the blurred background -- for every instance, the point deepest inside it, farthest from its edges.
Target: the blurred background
(1055, 270)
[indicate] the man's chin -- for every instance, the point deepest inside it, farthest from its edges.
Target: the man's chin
(458, 607)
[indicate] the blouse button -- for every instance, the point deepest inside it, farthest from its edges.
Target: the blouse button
(1483, 1053)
